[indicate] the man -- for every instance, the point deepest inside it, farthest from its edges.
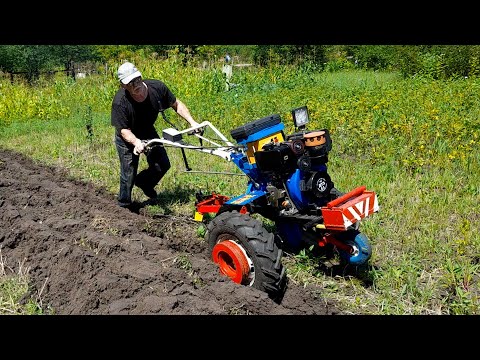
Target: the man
(135, 108)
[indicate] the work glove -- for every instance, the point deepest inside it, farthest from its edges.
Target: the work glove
(139, 147)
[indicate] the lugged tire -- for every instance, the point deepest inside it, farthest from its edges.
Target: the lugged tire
(259, 244)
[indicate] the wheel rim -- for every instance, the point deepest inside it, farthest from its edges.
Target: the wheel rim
(355, 249)
(232, 261)
(360, 250)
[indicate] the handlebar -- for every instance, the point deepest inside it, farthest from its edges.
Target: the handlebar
(173, 138)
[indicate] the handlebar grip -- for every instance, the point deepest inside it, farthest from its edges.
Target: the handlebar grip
(145, 149)
(196, 131)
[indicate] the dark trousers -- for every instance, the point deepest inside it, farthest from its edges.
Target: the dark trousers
(158, 165)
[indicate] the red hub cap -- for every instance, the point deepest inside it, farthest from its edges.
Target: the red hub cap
(232, 260)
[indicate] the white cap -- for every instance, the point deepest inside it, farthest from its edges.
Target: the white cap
(126, 72)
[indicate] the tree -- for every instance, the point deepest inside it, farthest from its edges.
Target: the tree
(32, 60)
(68, 55)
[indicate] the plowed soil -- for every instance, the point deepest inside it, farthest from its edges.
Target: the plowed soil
(85, 255)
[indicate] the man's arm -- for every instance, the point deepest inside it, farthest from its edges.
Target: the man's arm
(182, 110)
(130, 137)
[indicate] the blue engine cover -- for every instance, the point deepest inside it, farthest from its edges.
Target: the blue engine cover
(300, 198)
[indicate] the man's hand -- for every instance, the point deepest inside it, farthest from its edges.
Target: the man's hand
(196, 131)
(139, 147)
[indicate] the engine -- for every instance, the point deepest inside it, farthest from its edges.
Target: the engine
(297, 170)
(292, 170)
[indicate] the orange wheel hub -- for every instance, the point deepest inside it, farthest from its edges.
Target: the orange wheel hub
(232, 260)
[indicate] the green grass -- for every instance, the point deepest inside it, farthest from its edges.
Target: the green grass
(415, 142)
(15, 297)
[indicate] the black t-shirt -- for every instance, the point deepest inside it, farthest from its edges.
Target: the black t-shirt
(140, 117)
